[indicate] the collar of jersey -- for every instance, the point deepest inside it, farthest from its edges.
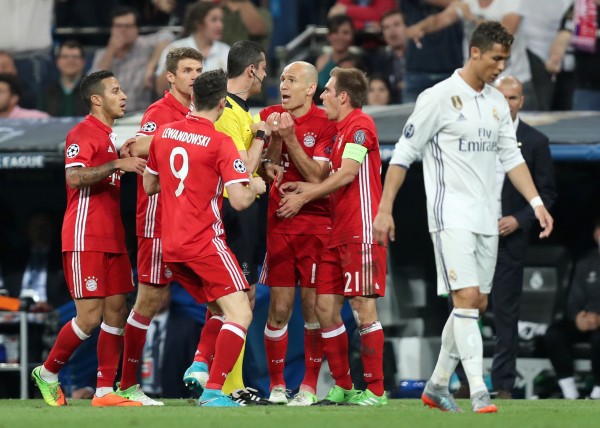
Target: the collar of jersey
(98, 123)
(463, 84)
(340, 125)
(191, 117)
(306, 116)
(238, 101)
(170, 98)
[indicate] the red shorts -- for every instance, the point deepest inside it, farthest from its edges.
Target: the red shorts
(97, 274)
(353, 270)
(293, 260)
(151, 268)
(211, 277)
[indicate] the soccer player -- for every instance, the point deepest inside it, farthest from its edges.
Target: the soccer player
(355, 268)
(95, 259)
(301, 142)
(461, 126)
(183, 65)
(246, 70)
(190, 163)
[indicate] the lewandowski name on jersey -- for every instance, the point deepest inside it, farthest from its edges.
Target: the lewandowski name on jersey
(186, 137)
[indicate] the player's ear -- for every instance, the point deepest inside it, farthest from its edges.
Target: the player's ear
(170, 77)
(312, 88)
(96, 100)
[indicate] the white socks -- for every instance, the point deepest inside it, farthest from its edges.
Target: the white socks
(47, 375)
(448, 358)
(569, 389)
(470, 347)
(101, 392)
(595, 395)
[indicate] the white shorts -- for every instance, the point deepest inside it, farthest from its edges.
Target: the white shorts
(464, 259)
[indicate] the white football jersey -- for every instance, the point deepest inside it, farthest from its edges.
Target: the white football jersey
(459, 133)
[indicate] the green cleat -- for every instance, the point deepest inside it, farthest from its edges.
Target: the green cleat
(337, 396)
(367, 398)
(135, 393)
(51, 391)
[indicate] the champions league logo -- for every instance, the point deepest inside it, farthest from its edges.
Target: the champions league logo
(72, 151)
(149, 127)
(309, 139)
(91, 283)
(239, 166)
(360, 137)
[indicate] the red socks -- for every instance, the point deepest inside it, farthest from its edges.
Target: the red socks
(208, 339)
(335, 347)
(110, 345)
(227, 350)
(135, 338)
(276, 343)
(313, 356)
(68, 339)
(371, 336)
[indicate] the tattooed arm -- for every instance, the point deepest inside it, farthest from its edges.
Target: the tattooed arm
(79, 177)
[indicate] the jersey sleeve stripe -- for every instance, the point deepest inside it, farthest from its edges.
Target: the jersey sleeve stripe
(151, 171)
(318, 158)
(71, 165)
(241, 180)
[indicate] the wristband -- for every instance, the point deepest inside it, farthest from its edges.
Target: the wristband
(266, 160)
(536, 202)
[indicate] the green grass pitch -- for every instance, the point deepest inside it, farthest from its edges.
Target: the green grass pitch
(398, 414)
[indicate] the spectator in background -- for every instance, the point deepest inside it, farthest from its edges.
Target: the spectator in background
(10, 95)
(63, 97)
(390, 63)
(379, 91)
(473, 12)
(7, 65)
(580, 26)
(445, 46)
(539, 28)
(26, 33)
(340, 35)
(582, 323)
(202, 30)
(364, 14)
(127, 55)
(245, 21)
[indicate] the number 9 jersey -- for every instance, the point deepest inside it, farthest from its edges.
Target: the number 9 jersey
(193, 162)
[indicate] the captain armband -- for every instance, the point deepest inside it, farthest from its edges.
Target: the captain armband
(355, 152)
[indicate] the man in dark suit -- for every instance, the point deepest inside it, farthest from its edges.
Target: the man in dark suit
(515, 221)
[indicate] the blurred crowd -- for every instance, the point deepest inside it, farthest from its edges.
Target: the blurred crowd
(404, 46)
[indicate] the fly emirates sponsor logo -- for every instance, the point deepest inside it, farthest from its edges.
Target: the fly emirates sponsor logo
(483, 144)
(186, 137)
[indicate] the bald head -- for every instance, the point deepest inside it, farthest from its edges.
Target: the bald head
(512, 89)
(509, 82)
(303, 70)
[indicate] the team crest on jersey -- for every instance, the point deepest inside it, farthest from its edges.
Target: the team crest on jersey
(91, 283)
(360, 137)
(149, 127)
(72, 151)
(239, 166)
(452, 275)
(309, 139)
(456, 102)
(409, 130)
(496, 114)
(168, 272)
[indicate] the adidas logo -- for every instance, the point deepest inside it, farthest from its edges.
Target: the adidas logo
(461, 117)
(110, 149)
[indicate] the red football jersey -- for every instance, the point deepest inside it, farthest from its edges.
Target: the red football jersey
(163, 111)
(315, 133)
(194, 162)
(93, 217)
(353, 207)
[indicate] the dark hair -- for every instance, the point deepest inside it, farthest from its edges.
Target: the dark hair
(489, 33)
(177, 54)
(391, 13)
(336, 21)
(92, 85)
(125, 10)
(382, 78)
(209, 89)
(72, 44)
(14, 84)
(196, 14)
(352, 81)
(242, 55)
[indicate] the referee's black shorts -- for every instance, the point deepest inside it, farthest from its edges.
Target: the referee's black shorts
(241, 230)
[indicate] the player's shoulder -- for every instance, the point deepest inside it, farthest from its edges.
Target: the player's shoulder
(276, 108)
